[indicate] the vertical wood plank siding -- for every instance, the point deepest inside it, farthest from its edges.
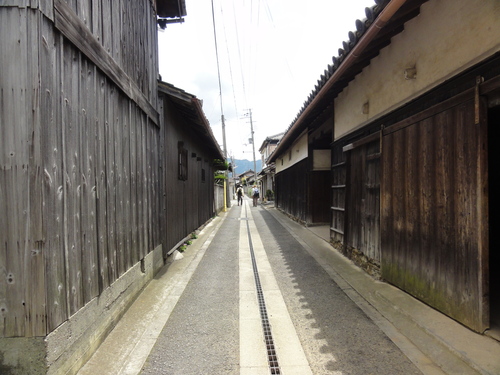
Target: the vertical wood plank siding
(338, 193)
(20, 171)
(189, 202)
(79, 164)
(75, 29)
(319, 197)
(430, 195)
(292, 184)
(363, 200)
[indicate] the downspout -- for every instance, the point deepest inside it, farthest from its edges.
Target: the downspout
(384, 16)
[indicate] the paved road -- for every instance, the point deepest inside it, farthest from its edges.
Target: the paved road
(217, 326)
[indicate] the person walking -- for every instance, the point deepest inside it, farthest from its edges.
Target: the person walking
(239, 192)
(255, 195)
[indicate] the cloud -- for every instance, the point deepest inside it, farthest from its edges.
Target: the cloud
(271, 53)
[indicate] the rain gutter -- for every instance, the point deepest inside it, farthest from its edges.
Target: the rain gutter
(383, 18)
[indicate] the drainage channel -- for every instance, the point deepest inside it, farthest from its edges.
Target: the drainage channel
(272, 358)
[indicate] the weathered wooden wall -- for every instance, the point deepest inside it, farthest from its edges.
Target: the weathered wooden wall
(434, 208)
(79, 165)
(291, 190)
(22, 302)
(319, 197)
(338, 179)
(363, 197)
(188, 203)
(430, 239)
(124, 30)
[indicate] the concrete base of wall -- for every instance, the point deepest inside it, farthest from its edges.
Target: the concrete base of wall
(294, 218)
(22, 355)
(68, 347)
(370, 266)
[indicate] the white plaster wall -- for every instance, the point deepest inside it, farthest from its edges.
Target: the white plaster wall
(299, 151)
(268, 150)
(448, 37)
(322, 160)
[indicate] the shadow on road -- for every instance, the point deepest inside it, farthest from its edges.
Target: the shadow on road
(336, 334)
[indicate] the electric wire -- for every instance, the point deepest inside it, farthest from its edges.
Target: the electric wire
(229, 62)
(239, 55)
(220, 85)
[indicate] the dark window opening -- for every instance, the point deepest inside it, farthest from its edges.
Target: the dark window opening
(494, 220)
(183, 162)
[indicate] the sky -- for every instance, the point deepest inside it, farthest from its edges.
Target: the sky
(269, 56)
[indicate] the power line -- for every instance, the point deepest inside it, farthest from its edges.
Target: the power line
(220, 85)
(229, 60)
(239, 55)
(226, 186)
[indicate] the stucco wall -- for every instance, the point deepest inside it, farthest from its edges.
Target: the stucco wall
(448, 37)
(294, 154)
(322, 160)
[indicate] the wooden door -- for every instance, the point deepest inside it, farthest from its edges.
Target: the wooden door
(319, 196)
(434, 210)
(362, 221)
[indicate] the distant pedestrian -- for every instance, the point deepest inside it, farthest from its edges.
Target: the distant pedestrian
(239, 192)
(255, 195)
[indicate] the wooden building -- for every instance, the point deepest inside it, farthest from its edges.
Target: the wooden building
(247, 178)
(413, 101)
(190, 149)
(87, 173)
(302, 179)
(266, 175)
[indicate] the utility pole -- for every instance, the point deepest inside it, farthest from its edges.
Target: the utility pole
(249, 114)
(226, 185)
(234, 167)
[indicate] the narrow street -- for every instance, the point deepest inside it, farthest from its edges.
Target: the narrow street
(218, 325)
(254, 295)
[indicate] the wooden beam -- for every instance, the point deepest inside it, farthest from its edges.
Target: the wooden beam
(368, 139)
(68, 23)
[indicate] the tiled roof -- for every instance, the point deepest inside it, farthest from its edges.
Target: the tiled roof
(275, 137)
(337, 75)
(271, 139)
(347, 45)
(250, 172)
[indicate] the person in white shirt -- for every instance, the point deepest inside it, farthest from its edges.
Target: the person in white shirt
(255, 195)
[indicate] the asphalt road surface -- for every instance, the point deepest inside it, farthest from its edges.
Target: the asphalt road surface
(258, 303)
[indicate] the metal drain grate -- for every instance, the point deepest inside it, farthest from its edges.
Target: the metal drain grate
(272, 358)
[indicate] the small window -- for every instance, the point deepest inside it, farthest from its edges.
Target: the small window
(203, 177)
(183, 162)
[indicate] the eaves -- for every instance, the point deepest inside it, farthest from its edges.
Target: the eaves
(383, 21)
(189, 106)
